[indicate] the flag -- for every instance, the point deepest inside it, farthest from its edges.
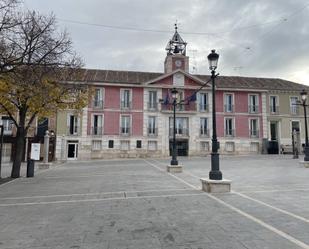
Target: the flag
(166, 100)
(192, 97)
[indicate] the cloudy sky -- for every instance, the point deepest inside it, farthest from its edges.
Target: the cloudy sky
(254, 38)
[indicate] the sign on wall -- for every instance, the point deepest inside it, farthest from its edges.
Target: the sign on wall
(35, 151)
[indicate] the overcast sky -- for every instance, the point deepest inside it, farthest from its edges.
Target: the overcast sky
(258, 38)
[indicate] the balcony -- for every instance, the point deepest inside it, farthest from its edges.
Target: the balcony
(229, 133)
(254, 133)
(125, 105)
(125, 131)
(98, 104)
(191, 107)
(96, 131)
(180, 132)
(228, 108)
(152, 106)
(203, 108)
(73, 131)
(152, 132)
(253, 109)
(204, 132)
(274, 109)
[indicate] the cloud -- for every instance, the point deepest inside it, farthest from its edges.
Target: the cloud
(258, 38)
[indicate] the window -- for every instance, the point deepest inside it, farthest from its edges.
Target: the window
(152, 104)
(110, 144)
(96, 145)
(293, 106)
(254, 131)
(181, 126)
(203, 102)
(228, 102)
(204, 146)
(7, 125)
(152, 145)
(204, 127)
(125, 145)
(295, 126)
(97, 125)
(125, 99)
(179, 99)
(274, 104)
(125, 125)
(98, 98)
(253, 103)
(73, 124)
(152, 126)
(138, 144)
(229, 130)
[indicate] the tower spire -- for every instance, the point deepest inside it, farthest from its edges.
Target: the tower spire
(176, 45)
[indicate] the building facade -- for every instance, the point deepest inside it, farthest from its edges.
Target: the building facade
(130, 114)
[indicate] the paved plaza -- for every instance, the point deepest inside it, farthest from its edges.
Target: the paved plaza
(136, 204)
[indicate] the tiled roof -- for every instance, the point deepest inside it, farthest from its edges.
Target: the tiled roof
(133, 77)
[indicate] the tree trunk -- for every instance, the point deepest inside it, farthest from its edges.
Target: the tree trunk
(19, 150)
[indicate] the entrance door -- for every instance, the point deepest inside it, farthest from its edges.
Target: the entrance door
(273, 146)
(72, 151)
(182, 147)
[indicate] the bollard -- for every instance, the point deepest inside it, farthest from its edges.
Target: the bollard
(30, 167)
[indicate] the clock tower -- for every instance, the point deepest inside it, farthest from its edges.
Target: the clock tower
(176, 54)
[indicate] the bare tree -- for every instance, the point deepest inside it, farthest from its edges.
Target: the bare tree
(36, 63)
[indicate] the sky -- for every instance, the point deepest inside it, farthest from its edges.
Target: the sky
(255, 38)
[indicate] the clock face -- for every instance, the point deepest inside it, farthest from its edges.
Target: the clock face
(178, 63)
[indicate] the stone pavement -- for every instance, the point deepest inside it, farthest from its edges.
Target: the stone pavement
(126, 204)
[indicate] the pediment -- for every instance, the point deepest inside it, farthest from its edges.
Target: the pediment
(177, 78)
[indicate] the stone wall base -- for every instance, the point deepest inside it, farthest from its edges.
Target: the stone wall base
(216, 186)
(174, 168)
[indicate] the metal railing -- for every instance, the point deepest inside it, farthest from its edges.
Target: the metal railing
(97, 104)
(294, 110)
(96, 130)
(152, 106)
(253, 108)
(125, 105)
(153, 132)
(204, 107)
(204, 132)
(125, 131)
(179, 132)
(229, 133)
(274, 109)
(254, 133)
(228, 108)
(73, 131)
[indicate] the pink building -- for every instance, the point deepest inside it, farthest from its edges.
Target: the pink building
(131, 114)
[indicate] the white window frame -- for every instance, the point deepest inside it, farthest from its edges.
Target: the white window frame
(276, 104)
(75, 126)
(123, 99)
(232, 129)
(152, 125)
(100, 127)
(250, 104)
(294, 108)
(202, 130)
(129, 127)
(225, 104)
(257, 127)
(152, 101)
(203, 97)
(100, 99)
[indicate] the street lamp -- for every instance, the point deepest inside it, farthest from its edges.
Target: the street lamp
(174, 151)
(215, 173)
(303, 95)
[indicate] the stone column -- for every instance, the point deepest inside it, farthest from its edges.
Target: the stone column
(45, 163)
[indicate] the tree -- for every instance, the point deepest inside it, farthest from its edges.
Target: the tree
(36, 65)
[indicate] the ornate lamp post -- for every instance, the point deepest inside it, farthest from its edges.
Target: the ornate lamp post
(304, 95)
(215, 173)
(174, 150)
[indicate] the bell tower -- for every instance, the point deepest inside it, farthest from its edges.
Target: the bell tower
(176, 54)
